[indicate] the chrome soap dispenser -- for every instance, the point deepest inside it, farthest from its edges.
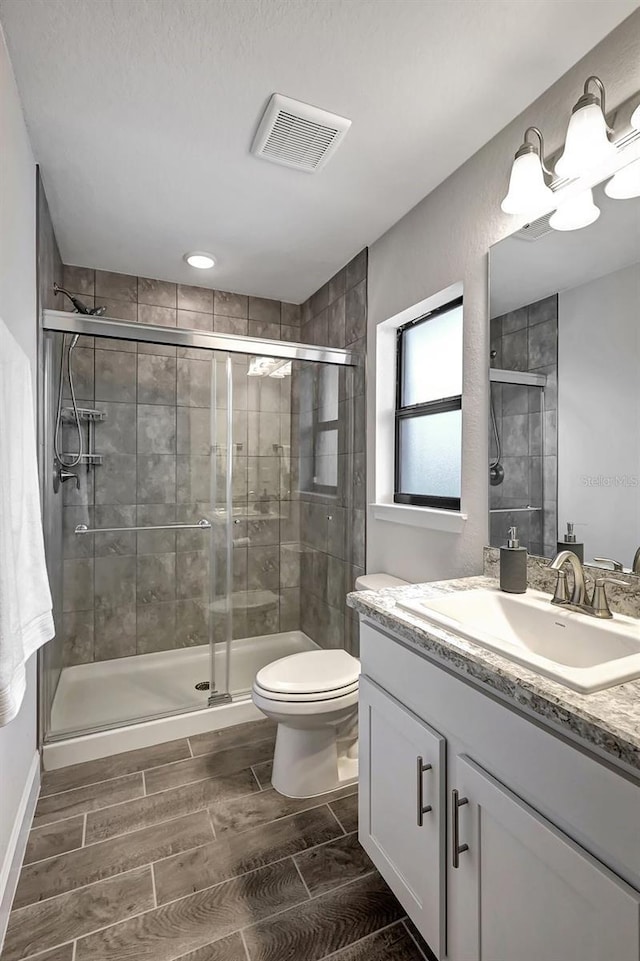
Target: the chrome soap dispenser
(513, 565)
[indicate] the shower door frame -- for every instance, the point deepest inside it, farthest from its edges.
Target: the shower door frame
(66, 322)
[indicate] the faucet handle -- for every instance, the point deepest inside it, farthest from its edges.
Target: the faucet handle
(616, 565)
(561, 593)
(599, 602)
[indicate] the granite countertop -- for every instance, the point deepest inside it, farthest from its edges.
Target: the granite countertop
(606, 720)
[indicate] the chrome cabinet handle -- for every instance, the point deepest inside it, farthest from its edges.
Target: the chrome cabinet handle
(422, 808)
(457, 848)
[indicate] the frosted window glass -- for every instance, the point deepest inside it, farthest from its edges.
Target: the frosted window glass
(432, 359)
(430, 454)
(329, 393)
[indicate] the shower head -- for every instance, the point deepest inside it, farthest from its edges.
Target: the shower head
(77, 303)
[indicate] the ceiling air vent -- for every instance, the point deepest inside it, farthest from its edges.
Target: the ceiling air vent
(535, 230)
(298, 135)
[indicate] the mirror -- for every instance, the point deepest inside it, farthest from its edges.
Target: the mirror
(564, 426)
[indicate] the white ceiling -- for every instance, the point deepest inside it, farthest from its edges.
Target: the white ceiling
(142, 112)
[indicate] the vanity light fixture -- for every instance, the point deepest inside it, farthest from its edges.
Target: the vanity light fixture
(587, 143)
(576, 212)
(626, 183)
(200, 259)
(528, 192)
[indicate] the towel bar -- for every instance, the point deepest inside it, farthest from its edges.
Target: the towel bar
(203, 525)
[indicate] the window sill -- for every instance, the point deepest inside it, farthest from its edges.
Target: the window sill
(430, 517)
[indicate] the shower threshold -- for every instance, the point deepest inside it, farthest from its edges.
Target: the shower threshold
(112, 706)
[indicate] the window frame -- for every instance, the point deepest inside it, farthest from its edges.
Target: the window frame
(438, 406)
(318, 427)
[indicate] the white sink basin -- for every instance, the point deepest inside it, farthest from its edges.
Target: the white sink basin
(582, 652)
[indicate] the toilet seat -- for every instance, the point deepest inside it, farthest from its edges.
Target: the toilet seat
(306, 698)
(310, 675)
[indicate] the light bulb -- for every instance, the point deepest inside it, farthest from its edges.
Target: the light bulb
(200, 260)
(577, 212)
(626, 183)
(528, 194)
(587, 144)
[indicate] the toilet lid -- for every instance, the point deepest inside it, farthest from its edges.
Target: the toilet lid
(313, 672)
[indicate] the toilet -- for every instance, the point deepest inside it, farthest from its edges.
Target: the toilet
(313, 697)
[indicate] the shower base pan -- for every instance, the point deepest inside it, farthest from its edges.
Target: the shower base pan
(108, 707)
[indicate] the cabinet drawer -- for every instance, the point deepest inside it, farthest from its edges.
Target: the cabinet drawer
(595, 806)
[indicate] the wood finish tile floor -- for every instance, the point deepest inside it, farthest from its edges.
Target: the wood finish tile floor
(184, 851)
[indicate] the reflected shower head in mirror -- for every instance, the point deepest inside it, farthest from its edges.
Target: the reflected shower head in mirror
(77, 303)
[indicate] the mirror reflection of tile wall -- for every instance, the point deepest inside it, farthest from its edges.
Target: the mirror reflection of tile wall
(526, 340)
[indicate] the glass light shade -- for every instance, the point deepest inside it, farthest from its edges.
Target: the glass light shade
(635, 118)
(587, 144)
(528, 193)
(200, 260)
(626, 183)
(579, 211)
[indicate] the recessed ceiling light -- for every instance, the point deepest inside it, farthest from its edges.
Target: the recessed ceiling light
(200, 260)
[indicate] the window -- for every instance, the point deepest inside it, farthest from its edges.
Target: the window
(428, 416)
(319, 429)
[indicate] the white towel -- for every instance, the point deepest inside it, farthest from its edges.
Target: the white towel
(26, 621)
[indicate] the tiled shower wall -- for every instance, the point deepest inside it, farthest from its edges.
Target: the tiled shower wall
(333, 528)
(526, 340)
(125, 593)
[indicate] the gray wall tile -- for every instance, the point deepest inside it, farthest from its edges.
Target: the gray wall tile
(156, 429)
(114, 582)
(231, 305)
(158, 293)
(156, 479)
(195, 298)
(162, 316)
(156, 379)
(116, 286)
(155, 578)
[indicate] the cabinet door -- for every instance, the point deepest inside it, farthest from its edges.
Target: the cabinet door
(402, 806)
(524, 890)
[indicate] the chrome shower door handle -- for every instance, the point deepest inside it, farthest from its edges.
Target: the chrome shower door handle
(422, 808)
(456, 848)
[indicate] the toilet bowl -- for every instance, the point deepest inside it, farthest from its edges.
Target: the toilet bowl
(313, 697)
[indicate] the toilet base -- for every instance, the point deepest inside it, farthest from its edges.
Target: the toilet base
(311, 762)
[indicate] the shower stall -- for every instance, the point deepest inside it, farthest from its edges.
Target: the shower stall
(177, 465)
(517, 496)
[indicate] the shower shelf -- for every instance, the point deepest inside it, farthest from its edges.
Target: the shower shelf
(514, 510)
(84, 413)
(91, 459)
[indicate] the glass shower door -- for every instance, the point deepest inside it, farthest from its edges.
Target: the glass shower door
(143, 517)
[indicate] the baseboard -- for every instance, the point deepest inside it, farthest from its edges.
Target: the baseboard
(10, 868)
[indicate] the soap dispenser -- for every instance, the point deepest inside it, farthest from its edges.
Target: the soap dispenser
(570, 544)
(513, 565)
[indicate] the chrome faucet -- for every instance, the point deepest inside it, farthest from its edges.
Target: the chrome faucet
(579, 593)
(598, 605)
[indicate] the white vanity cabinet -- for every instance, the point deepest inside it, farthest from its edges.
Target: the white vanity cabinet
(402, 806)
(531, 849)
(523, 891)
